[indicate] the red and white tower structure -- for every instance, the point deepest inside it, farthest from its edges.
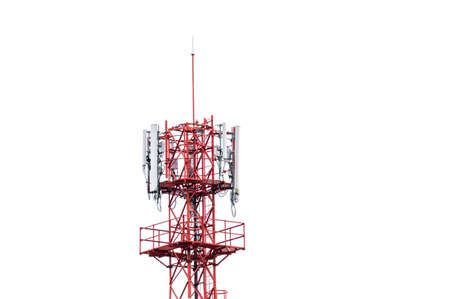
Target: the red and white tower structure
(190, 164)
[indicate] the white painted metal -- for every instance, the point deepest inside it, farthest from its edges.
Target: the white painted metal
(162, 150)
(144, 148)
(223, 141)
(172, 145)
(236, 163)
(154, 144)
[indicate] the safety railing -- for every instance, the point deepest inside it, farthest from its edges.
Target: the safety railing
(230, 233)
(226, 233)
(222, 294)
(153, 236)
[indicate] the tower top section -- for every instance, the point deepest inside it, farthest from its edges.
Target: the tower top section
(201, 154)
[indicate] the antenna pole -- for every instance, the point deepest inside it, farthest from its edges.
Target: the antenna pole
(193, 98)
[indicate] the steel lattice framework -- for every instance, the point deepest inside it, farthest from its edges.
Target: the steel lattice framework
(192, 242)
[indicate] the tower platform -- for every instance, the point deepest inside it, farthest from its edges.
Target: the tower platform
(158, 241)
(204, 186)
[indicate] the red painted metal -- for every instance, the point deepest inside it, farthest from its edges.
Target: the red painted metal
(191, 243)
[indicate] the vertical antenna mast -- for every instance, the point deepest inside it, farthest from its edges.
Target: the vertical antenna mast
(193, 102)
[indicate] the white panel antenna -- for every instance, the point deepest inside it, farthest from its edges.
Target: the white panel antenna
(144, 150)
(174, 166)
(223, 137)
(162, 155)
(236, 165)
(220, 151)
(154, 157)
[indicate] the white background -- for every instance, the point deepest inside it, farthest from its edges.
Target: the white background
(345, 162)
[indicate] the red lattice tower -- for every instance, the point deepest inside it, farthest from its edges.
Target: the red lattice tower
(184, 163)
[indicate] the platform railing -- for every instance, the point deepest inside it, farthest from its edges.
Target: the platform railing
(230, 233)
(222, 293)
(227, 233)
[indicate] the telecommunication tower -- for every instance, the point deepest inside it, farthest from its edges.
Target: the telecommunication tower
(190, 164)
